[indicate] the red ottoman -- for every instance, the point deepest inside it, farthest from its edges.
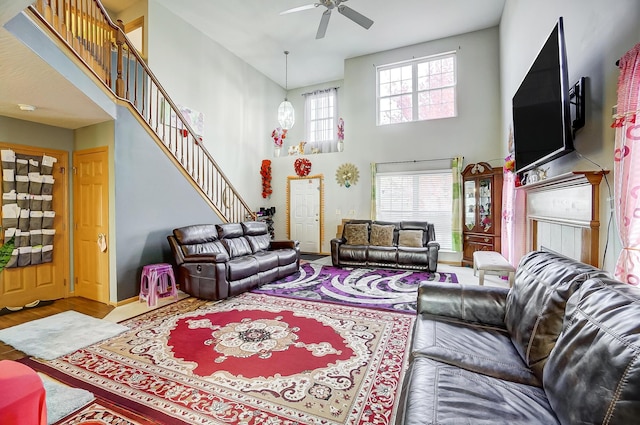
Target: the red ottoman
(22, 395)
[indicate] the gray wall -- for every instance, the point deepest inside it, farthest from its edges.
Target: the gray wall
(238, 102)
(152, 198)
(474, 133)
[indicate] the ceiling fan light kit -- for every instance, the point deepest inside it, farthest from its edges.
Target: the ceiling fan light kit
(356, 17)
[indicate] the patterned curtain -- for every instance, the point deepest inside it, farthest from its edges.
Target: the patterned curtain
(456, 207)
(514, 231)
(626, 167)
(374, 169)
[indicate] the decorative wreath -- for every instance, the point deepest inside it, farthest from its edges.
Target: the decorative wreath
(347, 175)
(302, 167)
(265, 172)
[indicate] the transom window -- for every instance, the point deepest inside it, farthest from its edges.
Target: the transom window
(420, 89)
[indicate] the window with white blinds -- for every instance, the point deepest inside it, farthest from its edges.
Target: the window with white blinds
(424, 195)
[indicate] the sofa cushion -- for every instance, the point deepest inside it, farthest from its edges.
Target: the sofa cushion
(410, 238)
(254, 228)
(229, 230)
(237, 247)
(242, 267)
(286, 256)
(437, 393)
(215, 247)
(356, 234)
(429, 233)
(471, 346)
(198, 233)
(592, 376)
(382, 255)
(381, 235)
(535, 305)
(350, 254)
(259, 242)
(413, 257)
(267, 260)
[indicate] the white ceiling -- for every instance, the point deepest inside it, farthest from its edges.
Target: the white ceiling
(255, 31)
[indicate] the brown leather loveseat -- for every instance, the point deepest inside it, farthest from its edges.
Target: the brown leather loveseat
(402, 245)
(222, 260)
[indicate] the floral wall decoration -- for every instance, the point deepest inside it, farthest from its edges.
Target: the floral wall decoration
(302, 166)
(278, 135)
(265, 172)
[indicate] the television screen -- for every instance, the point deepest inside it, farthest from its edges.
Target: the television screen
(541, 113)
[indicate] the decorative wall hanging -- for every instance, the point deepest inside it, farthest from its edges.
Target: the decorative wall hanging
(27, 215)
(278, 135)
(265, 172)
(347, 175)
(302, 167)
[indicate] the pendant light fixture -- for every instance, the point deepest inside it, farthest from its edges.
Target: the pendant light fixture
(286, 113)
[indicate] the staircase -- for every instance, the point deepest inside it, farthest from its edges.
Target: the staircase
(85, 28)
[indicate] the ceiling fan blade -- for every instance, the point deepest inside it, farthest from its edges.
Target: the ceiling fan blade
(356, 17)
(324, 22)
(300, 8)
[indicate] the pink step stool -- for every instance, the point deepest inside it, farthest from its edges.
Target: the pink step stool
(154, 283)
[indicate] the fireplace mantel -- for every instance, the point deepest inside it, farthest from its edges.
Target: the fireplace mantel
(563, 214)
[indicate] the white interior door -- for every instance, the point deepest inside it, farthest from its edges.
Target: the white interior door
(304, 213)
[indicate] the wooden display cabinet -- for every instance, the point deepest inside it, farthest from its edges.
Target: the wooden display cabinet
(482, 193)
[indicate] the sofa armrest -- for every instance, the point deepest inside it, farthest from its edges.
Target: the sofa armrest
(207, 258)
(335, 248)
(433, 244)
(433, 248)
(469, 303)
(284, 244)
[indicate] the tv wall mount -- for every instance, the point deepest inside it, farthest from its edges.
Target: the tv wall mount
(577, 99)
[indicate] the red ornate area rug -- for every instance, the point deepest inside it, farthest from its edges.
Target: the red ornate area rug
(252, 359)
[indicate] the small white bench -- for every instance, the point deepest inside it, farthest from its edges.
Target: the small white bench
(491, 262)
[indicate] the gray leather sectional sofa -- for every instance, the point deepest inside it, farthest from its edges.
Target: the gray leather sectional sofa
(561, 347)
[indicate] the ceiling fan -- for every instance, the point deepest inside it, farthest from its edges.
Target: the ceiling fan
(356, 17)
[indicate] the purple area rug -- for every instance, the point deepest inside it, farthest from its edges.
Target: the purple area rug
(395, 290)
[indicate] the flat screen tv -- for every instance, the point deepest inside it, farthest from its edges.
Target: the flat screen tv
(542, 129)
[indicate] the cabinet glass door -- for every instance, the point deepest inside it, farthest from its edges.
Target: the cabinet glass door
(470, 204)
(484, 204)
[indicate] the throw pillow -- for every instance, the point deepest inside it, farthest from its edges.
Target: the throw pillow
(356, 234)
(410, 238)
(381, 235)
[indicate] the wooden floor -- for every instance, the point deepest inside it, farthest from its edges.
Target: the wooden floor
(81, 305)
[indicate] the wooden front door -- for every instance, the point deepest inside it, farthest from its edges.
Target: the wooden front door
(47, 281)
(91, 223)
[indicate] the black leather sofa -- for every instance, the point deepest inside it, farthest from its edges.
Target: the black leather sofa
(419, 252)
(561, 347)
(219, 261)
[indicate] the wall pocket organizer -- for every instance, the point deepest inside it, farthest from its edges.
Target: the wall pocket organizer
(27, 215)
